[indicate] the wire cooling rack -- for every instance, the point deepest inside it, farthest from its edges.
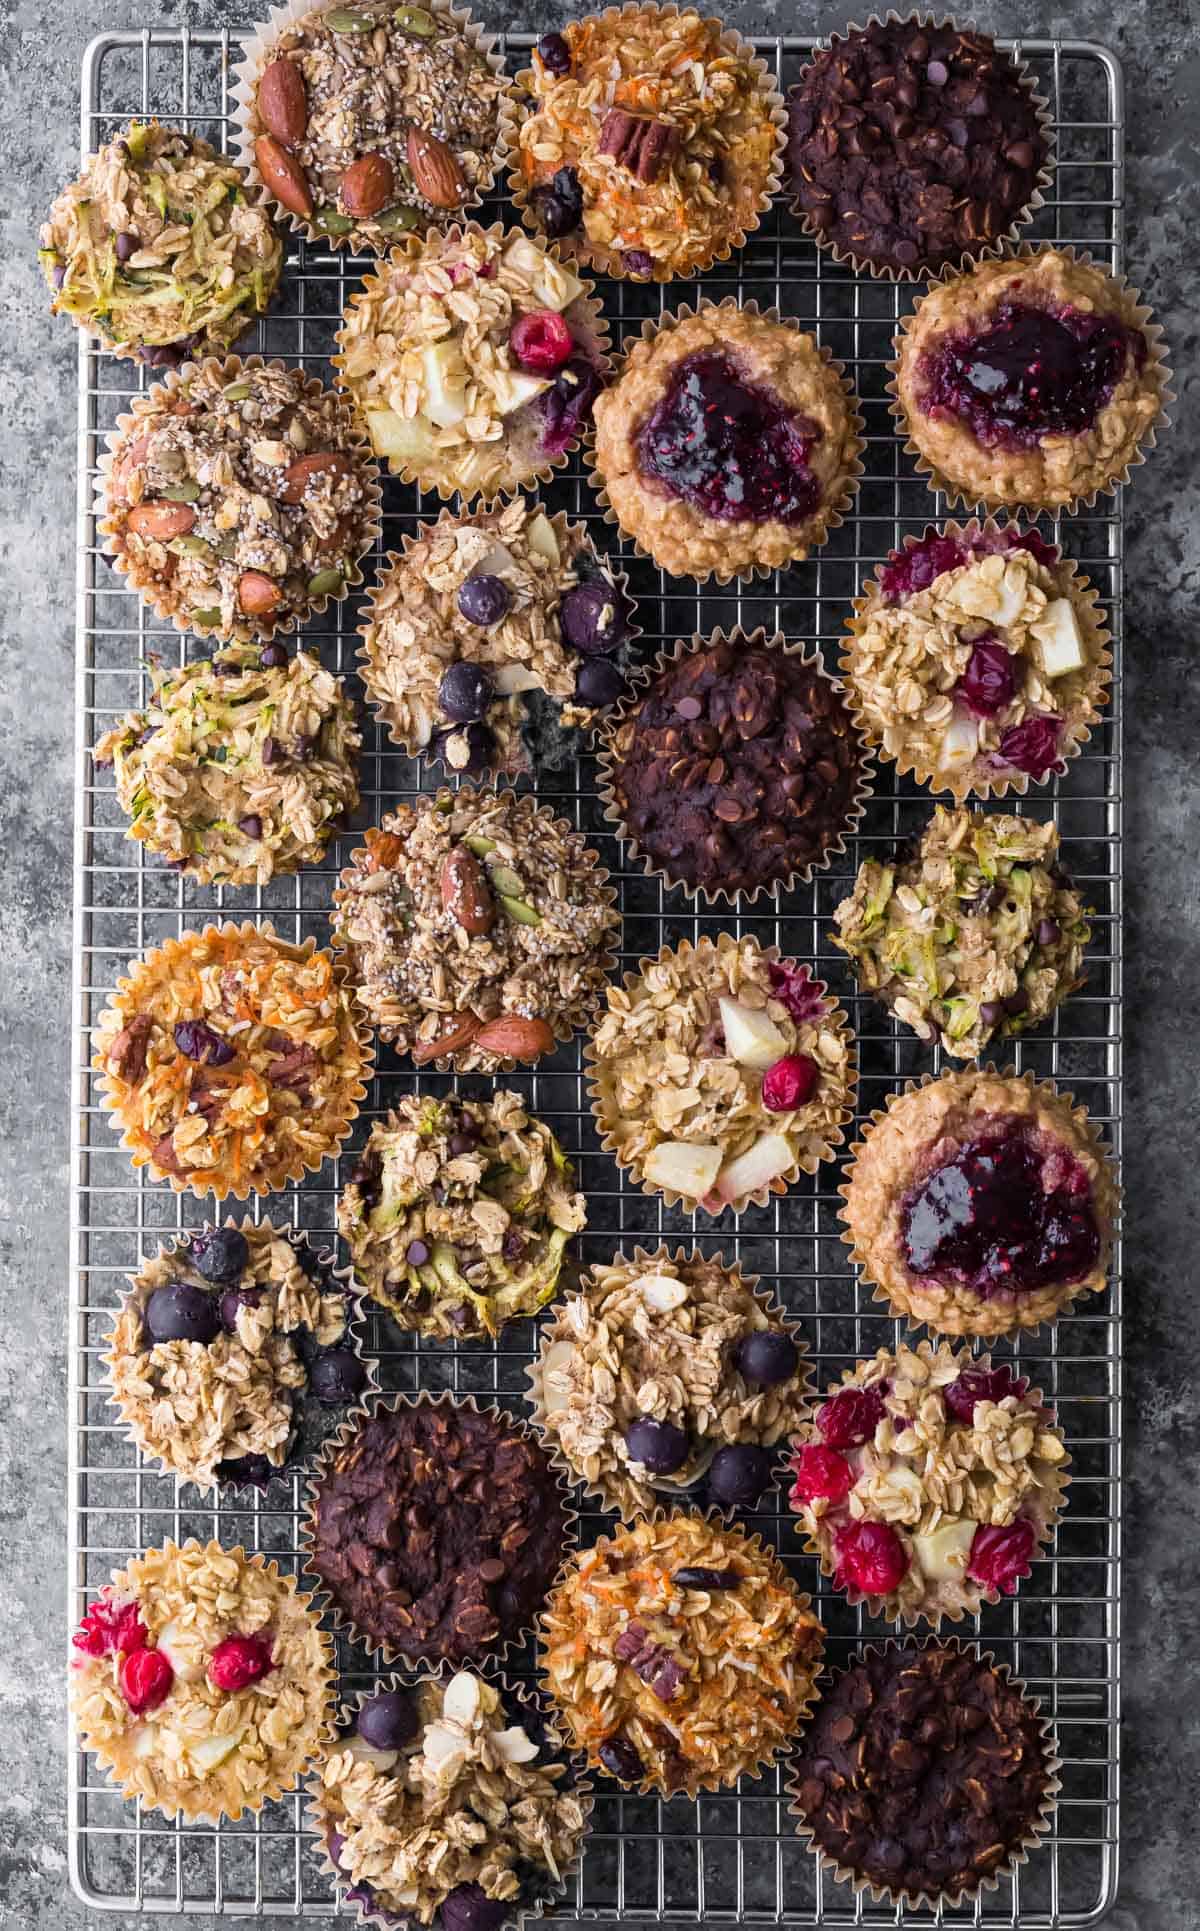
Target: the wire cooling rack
(730, 1859)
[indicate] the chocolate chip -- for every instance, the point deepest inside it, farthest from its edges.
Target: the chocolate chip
(491, 1571)
(689, 707)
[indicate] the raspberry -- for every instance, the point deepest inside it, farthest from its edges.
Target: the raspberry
(870, 1557)
(795, 988)
(541, 341)
(790, 1083)
(822, 1475)
(146, 1679)
(239, 1661)
(1001, 1556)
(109, 1625)
(851, 1418)
(981, 1384)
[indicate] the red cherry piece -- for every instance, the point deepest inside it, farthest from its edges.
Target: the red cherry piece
(850, 1418)
(822, 1475)
(981, 1384)
(871, 1557)
(790, 1083)
(108, 1626)
(146, 1679)
(1001, 1556)
(989, 683)
(541, 341)
(239, 1661)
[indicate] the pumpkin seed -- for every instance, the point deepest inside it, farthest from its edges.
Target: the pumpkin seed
(227, 548)
(331, 221)
(400, 220)
(520, 912)
(415, 20)
(325, 583)
(205, 618)
(346, 20)
(479, 845)
(181, 492)
(190, 546)
(236, 392)
(506, 880)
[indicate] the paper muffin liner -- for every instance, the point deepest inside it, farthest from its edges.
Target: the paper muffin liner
(258, 49)
(832, 518)
(354, 1338)
(997, 244)
(966, 1597)
(605, 1490)
(1134, 312)
(323, 1595)
(610, 261)
(1077, 1125)
(755, 1549)
(716, 897)
(157, 597)
(564, 1025)
(391, 562)
(1085, 601)
(833, 1019)
(863, 1886)
(407, 253)
(189, 1808)
(160, 964)
(545, 1891)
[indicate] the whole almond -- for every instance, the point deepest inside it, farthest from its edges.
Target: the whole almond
(385, 850)
(283, 176)
(283, 101)
(465, 893)
(368, 185)
(459, 1033)
(296, 475)
(257, 594)
(515, 1038)
(435, 170)
(159, 522)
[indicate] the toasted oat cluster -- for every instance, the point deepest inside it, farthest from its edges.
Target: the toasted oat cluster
(440, 1786)
(239, 766)
(680, 1654)
(476, 929)
(201, 1680)
(929, 1479)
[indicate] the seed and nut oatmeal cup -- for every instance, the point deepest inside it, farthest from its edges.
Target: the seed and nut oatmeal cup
(238, 497)
(651, 143)
(202, 1681)
(719, 1073)
(231, 1061)
(669, 1376)
(161, 248)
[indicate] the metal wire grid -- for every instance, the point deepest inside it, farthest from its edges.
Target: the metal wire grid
(729, 1859)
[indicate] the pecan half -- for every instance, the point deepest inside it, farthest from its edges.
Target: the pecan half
(127, 1054)
(644, 147)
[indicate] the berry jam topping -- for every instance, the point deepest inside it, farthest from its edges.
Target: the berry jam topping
(729, 447)
(789, 1083)
(1030, 373)
(870, 1557)
(1032, 745)
(822, 1475)
(1001, 1218)
(109, 1625)
(797, 990)
(988, 684)
(851, 1418)
(240, 1661)
(910, 571)
(146, 1679)
(981, 1384)
(1001, 1556)
(541, 341)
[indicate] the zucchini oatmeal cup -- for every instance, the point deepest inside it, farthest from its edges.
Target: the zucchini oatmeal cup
(670, 1377)
(980, 1203)
(720, 1073)
(473, 359)
(231, 1061)
(238, 498)
(201, 1680)
(651, 142)
(459, 1214)
(240, 767)
(928, 1481)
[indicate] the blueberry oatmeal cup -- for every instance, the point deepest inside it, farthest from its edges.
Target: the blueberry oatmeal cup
(237, 498)
(478, 930)
(981, 1203)
(202, 1681)
(1036, 382)
(161, 248)
(928, 1481)
(669, 1377)
(486, 622)
(474, 359)
(975, 934)
(719, 1073)
(240, 767)
(650, 145)
(729, 444)
(231, 1061)
(977, 659)
(459, 1214)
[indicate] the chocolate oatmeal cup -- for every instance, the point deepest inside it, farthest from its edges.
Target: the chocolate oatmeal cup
(912, 1825)
(229, 533)
(434, 1529)
(738, 765)
(647, 196)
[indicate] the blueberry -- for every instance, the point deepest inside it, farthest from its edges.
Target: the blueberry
(739, 1475)
(235, 1298)
(251, 825)
(659, 1446)
(201, 1043)
(554, 54)
(387, 1720)
(460, 1143)
(252, 1471)
(273, 656)
(767, 1357)
(593, 617)
(469, 1908)
(337, 1375)
(568, 405)
(417, 1253)
(126, 245)
(621, 1760)
(637, 261)
(599, 683)
(465, 692)
(220, 1254)
(467, 749)
(181, 1312)
(559, 206)
(484, 600)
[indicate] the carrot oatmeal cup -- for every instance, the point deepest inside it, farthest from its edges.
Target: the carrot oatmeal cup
(651, 143)
(237, 498)
(231, 1061)
(478, 930)
(928, 1481)
(1035, 383)
(980, 1203)
(473, 358)
(202, 1681)
(720, 1073)
(729, 444)
(679, 1655)
(977, 659)
(671, 1376)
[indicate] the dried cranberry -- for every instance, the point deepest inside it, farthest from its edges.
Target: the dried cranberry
(146, 1679)
(871, 1557)
(1001, 1556)
(981, 1384)
(1032, 745)
(636, 261)
(621, 1760)
(789, 1083)
(1030, 373)
(240, 1661)
(796, 990)
(989, 682)
(541, 341)
(850, 1418)
(729, 447)
(822, 1475)
(201, 1043)
(1039, 549)
(110, 1625)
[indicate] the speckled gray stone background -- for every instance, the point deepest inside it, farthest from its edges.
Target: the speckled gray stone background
(1159, 43)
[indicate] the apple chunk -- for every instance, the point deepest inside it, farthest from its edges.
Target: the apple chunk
(942, 1555)
(401, 439)
(683, 1168)
(1060, 645)
(750, 1037)
(770, 1156)
(208, 1753)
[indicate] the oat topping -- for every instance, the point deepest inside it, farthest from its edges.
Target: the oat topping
(680, 1654)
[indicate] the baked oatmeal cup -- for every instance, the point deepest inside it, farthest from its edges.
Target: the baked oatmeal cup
(650, 146)
(474, 359)
(478, 930)
(729, 443)
(719, 1073)
(231, 1061)
(980, 1203)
